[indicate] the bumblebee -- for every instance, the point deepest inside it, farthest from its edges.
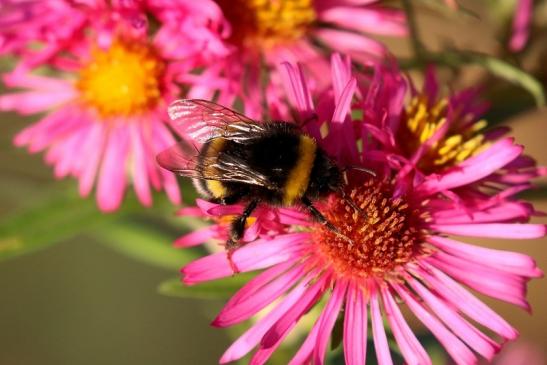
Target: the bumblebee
(242, 160)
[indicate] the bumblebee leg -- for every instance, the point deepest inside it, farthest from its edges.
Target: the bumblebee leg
(227, 200)
(237, 229)
(322, 220)
(317, 215)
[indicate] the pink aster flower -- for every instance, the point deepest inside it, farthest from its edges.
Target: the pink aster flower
(105, 115)
(432, 132)
(261, 34)
(55, 25)
(401, 251)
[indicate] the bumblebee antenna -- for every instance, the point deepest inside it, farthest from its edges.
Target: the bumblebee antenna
(342, 193)
(359, 168)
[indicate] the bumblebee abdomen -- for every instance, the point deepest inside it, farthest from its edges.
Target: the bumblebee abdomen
(281, 156)
(298, 177)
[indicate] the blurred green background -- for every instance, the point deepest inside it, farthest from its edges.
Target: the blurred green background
(80, 302)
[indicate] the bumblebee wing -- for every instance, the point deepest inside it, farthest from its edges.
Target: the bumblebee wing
(231, 168)
(183, 159)
(202, 120)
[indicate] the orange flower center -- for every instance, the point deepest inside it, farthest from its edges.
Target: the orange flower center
(123, 80)
(373, 242)
(266, 23)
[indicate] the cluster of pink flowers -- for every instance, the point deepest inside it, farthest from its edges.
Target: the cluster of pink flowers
(404, 254)
(118, 64)
(113, 67)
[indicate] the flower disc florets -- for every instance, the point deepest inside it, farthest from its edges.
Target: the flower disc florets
(124, 80)
(374, 241)
(264, 24)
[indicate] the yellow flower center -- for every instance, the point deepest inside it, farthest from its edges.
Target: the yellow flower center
(122, 80)
(420, 123)
(266, 23)
(371, 243)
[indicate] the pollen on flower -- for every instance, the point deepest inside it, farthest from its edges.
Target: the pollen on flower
(421, 121)
(122, 80)
(264, 23)
(374, 242)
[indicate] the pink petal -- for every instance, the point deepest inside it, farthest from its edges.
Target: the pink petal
(33, 102)
(297, 89)
(304, 353)
(254, 334)
(504, 211)
(331, 311)
(190, 211)
(341, 75)
(171, 187)
(253, 256)
(494, 230)
(93, 151)
(377, 21)
(457, 350)
(273, 338)
(70, 147)
(162, 140)
(22, 80)
(494, 283)
(431, 83)
(466, 302)
(378, 332)
(280, 329)
(342, 107)
(360, 47)
(474, 168)
(471, 335)
(112, 179)
(52, 127)
(521, 25)
(196, 237)
(261, 291)
(139, 168)
(507, 261)
(293, 217)
(410, 347)
(355, 327)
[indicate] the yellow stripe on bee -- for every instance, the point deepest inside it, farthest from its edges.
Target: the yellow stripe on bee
(215, 187)
(299, 176)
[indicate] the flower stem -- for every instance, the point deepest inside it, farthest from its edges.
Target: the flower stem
(417, 46)
(495, 66)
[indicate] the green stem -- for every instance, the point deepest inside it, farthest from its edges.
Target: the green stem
(495, 66)
(417, 46)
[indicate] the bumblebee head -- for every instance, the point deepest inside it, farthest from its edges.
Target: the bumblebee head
(326, 177)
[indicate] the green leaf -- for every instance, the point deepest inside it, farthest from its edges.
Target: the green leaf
(60, 216)
(218, 289)
(146, 243)
(48, 222)
(337, 331)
